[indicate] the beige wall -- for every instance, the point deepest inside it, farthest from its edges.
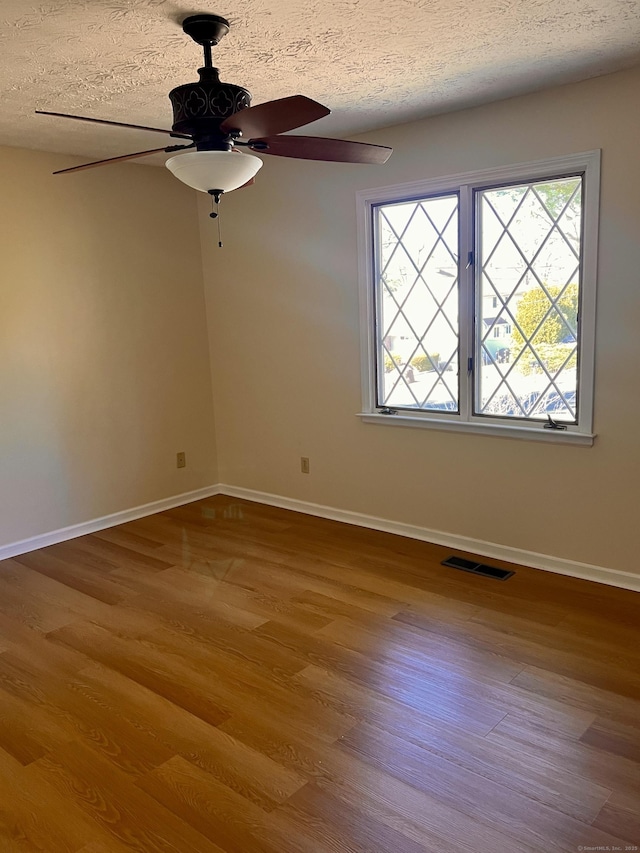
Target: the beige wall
(283, 322)
(104, 364)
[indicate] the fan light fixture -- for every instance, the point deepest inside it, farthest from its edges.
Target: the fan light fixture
(223, 171)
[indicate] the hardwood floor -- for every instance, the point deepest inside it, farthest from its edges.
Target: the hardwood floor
(234, 678)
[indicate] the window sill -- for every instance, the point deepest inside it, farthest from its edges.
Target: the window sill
(492, 429)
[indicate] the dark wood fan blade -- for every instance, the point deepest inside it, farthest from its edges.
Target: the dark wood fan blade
(117, 159)
(319, 148)
(274, 116)
(114, 123)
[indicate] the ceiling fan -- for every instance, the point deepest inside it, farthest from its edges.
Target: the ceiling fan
(216, 119)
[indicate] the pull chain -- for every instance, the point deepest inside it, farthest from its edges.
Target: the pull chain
(215, 213)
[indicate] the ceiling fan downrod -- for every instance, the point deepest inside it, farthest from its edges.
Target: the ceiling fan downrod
(206, 30)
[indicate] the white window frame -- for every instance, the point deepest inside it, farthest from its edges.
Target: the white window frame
(587, 163)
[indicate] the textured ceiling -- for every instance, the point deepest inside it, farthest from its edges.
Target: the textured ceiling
(373, 64)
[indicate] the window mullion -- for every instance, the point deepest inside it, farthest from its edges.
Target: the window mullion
(466, 302)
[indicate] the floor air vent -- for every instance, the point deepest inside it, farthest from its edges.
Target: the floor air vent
(477, 568)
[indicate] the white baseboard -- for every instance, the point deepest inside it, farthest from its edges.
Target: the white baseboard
(64, 533)
(559, 565)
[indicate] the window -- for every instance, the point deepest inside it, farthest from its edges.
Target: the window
(478, 300)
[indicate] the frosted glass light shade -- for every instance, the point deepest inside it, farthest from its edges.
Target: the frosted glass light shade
(214, 170)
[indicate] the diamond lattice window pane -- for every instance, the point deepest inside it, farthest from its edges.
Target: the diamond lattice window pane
(417, 282)
(528, 296)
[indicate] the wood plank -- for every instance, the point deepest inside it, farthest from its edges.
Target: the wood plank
(42, 603)
(303, 584)
(516, 815)
(34, 817)
(20, 639)
(162, 673)
(122, 555)
(106, 796)
(188, 589)
(78, 709)
(198, 799)
(577, 694)
(247, 771)
(620, 817)
(595, 669)
(125, 537)
(531, 738)
(615, 738)
(94, 584)
(206, 628)
(330, 820)
(204, 682)
(27, 744)
(542, 781)
(344, 674)
(398, 805)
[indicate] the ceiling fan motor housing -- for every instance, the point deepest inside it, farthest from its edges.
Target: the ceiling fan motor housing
(200, 108)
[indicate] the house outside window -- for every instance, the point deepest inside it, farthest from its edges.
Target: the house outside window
(478, 300)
